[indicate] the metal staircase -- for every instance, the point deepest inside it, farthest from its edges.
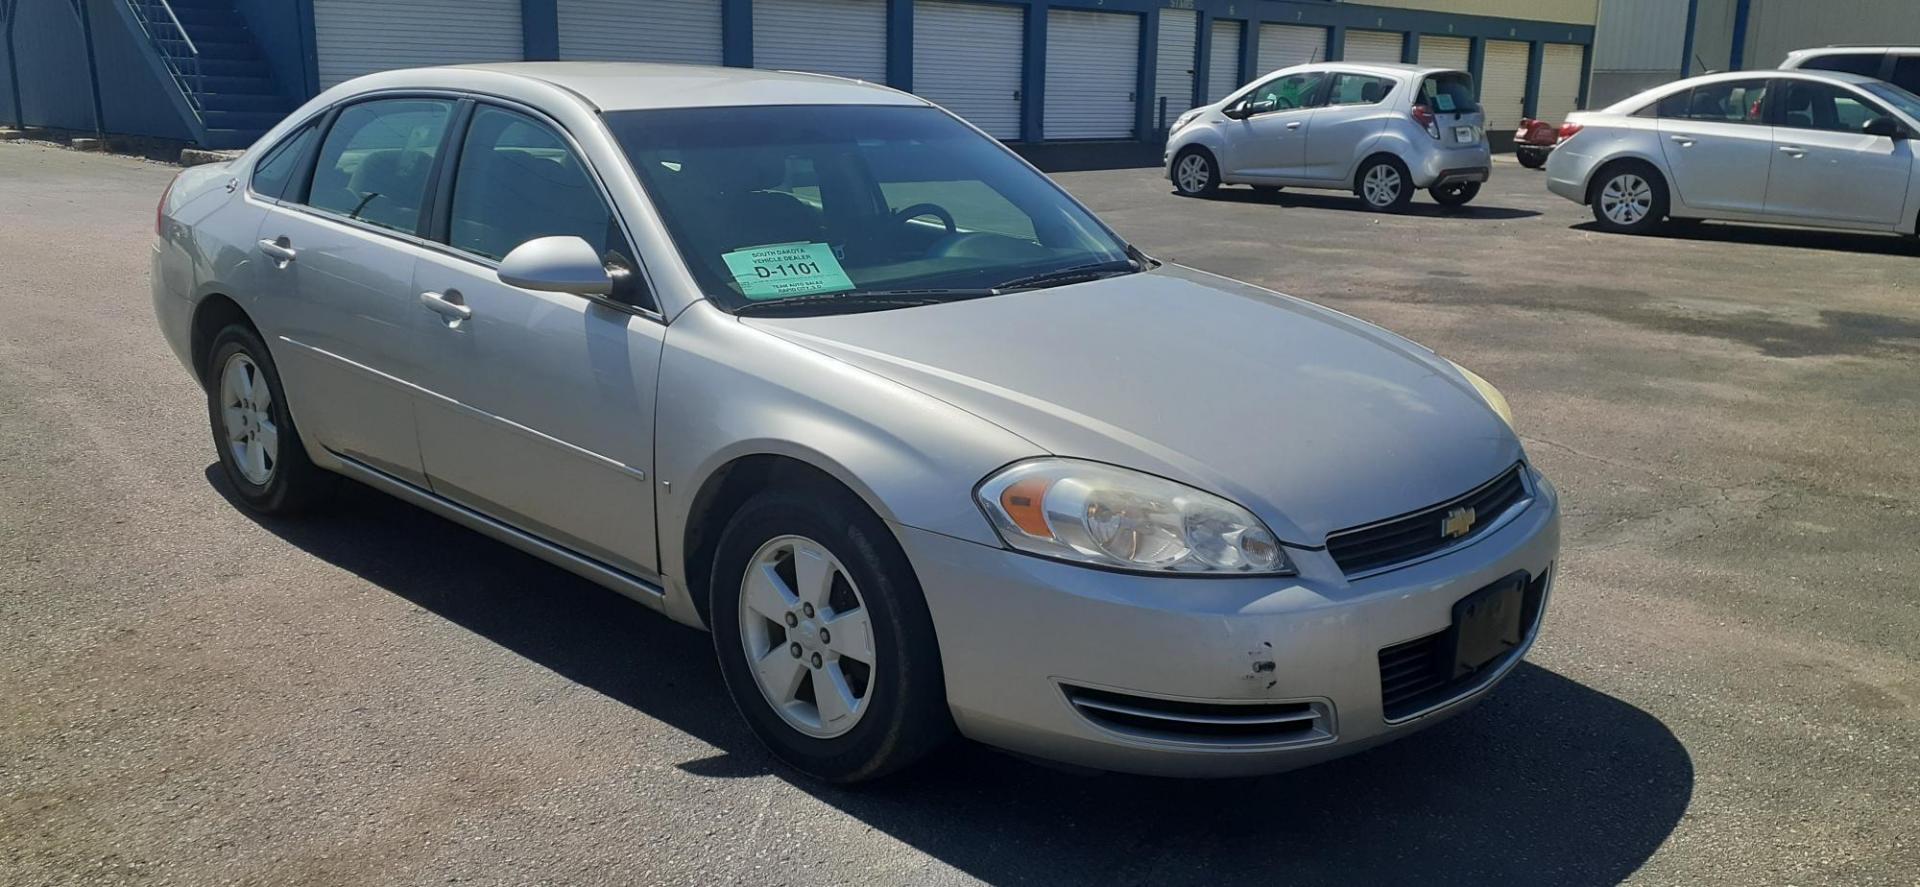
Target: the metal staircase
(216, 63)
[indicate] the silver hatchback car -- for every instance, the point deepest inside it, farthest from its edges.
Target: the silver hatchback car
(820, 367)
(1380, 131)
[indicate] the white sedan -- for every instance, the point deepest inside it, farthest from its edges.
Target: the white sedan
(1816, 148)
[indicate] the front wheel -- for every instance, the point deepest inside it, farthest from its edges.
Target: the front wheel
(1385, 185)
(1629, 198)
(1194, 173)
(823, 636)
(1457, 194)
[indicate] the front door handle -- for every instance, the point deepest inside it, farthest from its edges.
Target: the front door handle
(448, 305)
(1793, 151)
(280, 250)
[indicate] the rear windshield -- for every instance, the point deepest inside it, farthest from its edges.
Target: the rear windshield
(1449, 92)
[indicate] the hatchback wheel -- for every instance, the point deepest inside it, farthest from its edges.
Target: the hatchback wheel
(1457, 194)
(1385, 185)
(260, 450)
(823, 637)
(1194, 173)
(1629, 198)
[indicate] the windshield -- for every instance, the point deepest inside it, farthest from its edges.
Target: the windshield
(1907, 103)
(842, 203)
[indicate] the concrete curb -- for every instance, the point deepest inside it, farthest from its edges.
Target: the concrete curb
(198, 156)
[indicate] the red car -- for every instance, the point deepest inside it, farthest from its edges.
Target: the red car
(1533, 141)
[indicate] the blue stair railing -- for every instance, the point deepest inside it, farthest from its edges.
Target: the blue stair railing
(177, 49)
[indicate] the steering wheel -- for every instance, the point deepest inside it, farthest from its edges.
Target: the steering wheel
(1282, 103)
(903, 216)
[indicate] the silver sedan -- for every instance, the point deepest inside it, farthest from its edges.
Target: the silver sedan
(820, 367)
(1815, 148)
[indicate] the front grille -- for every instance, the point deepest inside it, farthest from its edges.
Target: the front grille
(1217, 723)
(1416, 535)
(1418, 674)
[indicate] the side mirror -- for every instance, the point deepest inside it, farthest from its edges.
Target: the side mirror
(1260, 107)
(557, 265)
(1885, 126)
(1235, 112)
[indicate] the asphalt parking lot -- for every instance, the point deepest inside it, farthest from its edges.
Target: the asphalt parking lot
(1727, 690)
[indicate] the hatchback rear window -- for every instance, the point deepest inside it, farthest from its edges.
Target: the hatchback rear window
(1449, 92)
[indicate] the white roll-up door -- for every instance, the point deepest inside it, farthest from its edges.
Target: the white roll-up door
(1503, 84)
(1446, 52)
(1283, 46)
(640, 31)
(1559, 82)
(967, 56)
(1374, 46)
(355, 37)
(847, 38)
(1093, 62)
(1173, 64)
(1223, 62)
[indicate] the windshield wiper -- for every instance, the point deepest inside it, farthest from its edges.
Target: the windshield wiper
(868, 299)
(1075, 274)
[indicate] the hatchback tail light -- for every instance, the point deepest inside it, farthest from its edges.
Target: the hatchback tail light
(1424, 116)
(1569, 130)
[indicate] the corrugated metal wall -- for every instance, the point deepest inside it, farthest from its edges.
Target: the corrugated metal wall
(1577, 12)
(1640, 35)
(640, 31)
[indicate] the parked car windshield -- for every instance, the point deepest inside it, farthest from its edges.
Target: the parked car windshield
(1905, 102)
(845, 207)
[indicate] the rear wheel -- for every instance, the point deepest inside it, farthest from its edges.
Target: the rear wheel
(1195, 174)
(1630, 198)
(1457, 194)
(1531, 159)
(1384, 184)
(260, 450)
(823, 636)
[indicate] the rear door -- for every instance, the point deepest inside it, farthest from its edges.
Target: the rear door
(1355, 113)
(1825, 168)
(1273, 144)
(1718, 145)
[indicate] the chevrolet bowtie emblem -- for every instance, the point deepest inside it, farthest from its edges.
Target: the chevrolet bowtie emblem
(1459, 522)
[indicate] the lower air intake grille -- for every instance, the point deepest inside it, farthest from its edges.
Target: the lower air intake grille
(1417, 675)
(1218, 723)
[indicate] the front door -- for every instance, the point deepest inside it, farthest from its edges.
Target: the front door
(1826, 169)
(1273, 143)
(537, 407)
(1718, 145)
(342, 246)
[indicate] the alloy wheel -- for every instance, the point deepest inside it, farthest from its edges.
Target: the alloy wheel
(1626, 199)
(1193, 173)
(807, 636)
(246, 414)
(1382, 185)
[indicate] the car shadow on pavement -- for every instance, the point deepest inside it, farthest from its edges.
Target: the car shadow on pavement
(1769, 235)
(1421, 207)
(1548, 781)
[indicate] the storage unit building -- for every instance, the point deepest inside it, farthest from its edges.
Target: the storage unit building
(966, 56)
(1374, 46)
(640, 31)
(1559, 81)
(1503, 84)
(1446, 52)
(1223, 64)
(355, 37)
(1093, 60)
(1283, 46)
(847, 38)
(1173, 69)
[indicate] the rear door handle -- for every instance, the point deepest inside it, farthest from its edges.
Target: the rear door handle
(448, 305)
(1294, 125)
(280, 251)
(1685, 141)
(1793, 151)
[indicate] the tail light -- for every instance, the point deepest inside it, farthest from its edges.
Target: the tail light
(160, 210)
(1424, 116)
(1569, 130)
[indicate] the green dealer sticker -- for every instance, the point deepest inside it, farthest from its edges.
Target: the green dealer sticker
(787, 269)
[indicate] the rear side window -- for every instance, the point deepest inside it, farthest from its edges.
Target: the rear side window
(1906, 73)
(518, 180)
(1732, 101)
(1448, 93)
(271, 175)
(374, 163)
(1864, 63)
(1358, 89)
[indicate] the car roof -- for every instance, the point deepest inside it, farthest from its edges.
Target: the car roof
(1849, 49)
(1389, 68)
(629, 86)
(1639, 100)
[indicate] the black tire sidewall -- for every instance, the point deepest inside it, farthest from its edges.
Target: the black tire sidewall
(909, 715)
(1656, 213)
(294, 483)
(1468, 191)
(1213, 171)
(1401, 200)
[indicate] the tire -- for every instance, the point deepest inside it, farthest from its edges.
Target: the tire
(1195, 172)
(1628, 198)
(261, 453)
(1455, 195)
(1532, 159)
(899, 710)
(1384, 184)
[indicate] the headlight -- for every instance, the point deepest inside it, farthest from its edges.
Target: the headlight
(1097, 514)
(1184, 119)
(1488, 393)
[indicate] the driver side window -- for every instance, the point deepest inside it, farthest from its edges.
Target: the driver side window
(1289, 91)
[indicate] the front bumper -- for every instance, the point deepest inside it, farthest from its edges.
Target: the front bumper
(1018, 633)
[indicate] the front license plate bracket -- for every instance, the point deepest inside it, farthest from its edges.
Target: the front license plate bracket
(1487, 625)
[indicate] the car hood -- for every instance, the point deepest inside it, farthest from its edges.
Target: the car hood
(1312, 419)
